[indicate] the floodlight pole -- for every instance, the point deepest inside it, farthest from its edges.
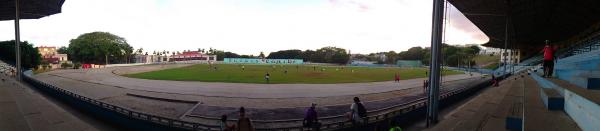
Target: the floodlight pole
(434, 69)
(17, 43)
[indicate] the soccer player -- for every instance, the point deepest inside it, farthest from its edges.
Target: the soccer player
(267, 77)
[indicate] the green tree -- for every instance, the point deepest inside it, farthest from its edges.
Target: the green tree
(332, 55)
(286, 54)
(246, 56)
(100, 48)
(30, 57)
(391, 57)
(414, 53)
(62, 50)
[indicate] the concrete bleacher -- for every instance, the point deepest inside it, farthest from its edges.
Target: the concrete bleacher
(575, 88)
(581, 104)
(516, 104)
(5, 68)
(22, 108)
(582, 70)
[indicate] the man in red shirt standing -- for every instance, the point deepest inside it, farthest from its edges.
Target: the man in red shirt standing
(548, 59)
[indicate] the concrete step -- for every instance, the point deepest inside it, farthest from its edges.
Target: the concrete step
(552, 99)
(538, 117)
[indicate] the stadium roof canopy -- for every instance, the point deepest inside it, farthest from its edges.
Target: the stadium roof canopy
(29, 9)
(530, 21)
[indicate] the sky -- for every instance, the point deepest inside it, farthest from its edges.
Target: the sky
(249, 26)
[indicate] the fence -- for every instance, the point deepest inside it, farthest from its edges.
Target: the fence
(141, 121)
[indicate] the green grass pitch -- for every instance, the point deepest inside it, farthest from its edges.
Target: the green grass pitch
(308, 74)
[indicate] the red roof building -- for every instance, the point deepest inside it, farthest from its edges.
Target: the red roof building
(193, 55)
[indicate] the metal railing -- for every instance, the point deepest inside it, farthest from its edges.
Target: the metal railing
(583, 46)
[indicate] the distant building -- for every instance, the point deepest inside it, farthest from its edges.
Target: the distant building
(50, 55)
(511, 57)
(147, 58)
(361, 62)
(193, 56)
(409, 63)
(490, 51)
(381, 56)
(185, 57)
(261, 61)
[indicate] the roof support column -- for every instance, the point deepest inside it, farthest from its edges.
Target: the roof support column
(434, 68)
(17, 42)
(505, 53)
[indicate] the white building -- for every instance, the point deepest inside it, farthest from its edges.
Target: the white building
(490, 51)
(511, 57)
(151, 58)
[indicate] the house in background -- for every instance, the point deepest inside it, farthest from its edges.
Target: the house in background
(50, 55)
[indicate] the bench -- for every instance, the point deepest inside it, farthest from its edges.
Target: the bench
(552, 99)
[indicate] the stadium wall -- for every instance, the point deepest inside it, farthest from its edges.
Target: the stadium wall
(261, 61)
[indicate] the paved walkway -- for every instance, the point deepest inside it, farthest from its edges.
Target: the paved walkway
(23, 109)
(488, 111)
(179, 99)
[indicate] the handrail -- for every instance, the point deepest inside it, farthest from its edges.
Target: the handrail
(381, 114)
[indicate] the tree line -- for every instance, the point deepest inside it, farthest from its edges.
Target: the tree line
(30, 57)
(327, 54)
(323, 55)
(98, 48)
(103, 47)
(451, 55)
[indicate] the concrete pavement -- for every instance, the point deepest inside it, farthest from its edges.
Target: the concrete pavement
(23, 109)
(488, 110)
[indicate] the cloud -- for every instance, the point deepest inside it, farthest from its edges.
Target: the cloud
(245, 26)
(463, 29)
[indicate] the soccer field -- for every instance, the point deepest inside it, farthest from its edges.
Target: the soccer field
(308, 74)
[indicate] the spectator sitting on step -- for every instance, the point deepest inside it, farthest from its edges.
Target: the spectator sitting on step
(357, 112)
(223, 124)
(311, 119)
(244, 123)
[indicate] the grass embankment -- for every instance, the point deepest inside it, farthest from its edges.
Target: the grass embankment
(487, 61)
